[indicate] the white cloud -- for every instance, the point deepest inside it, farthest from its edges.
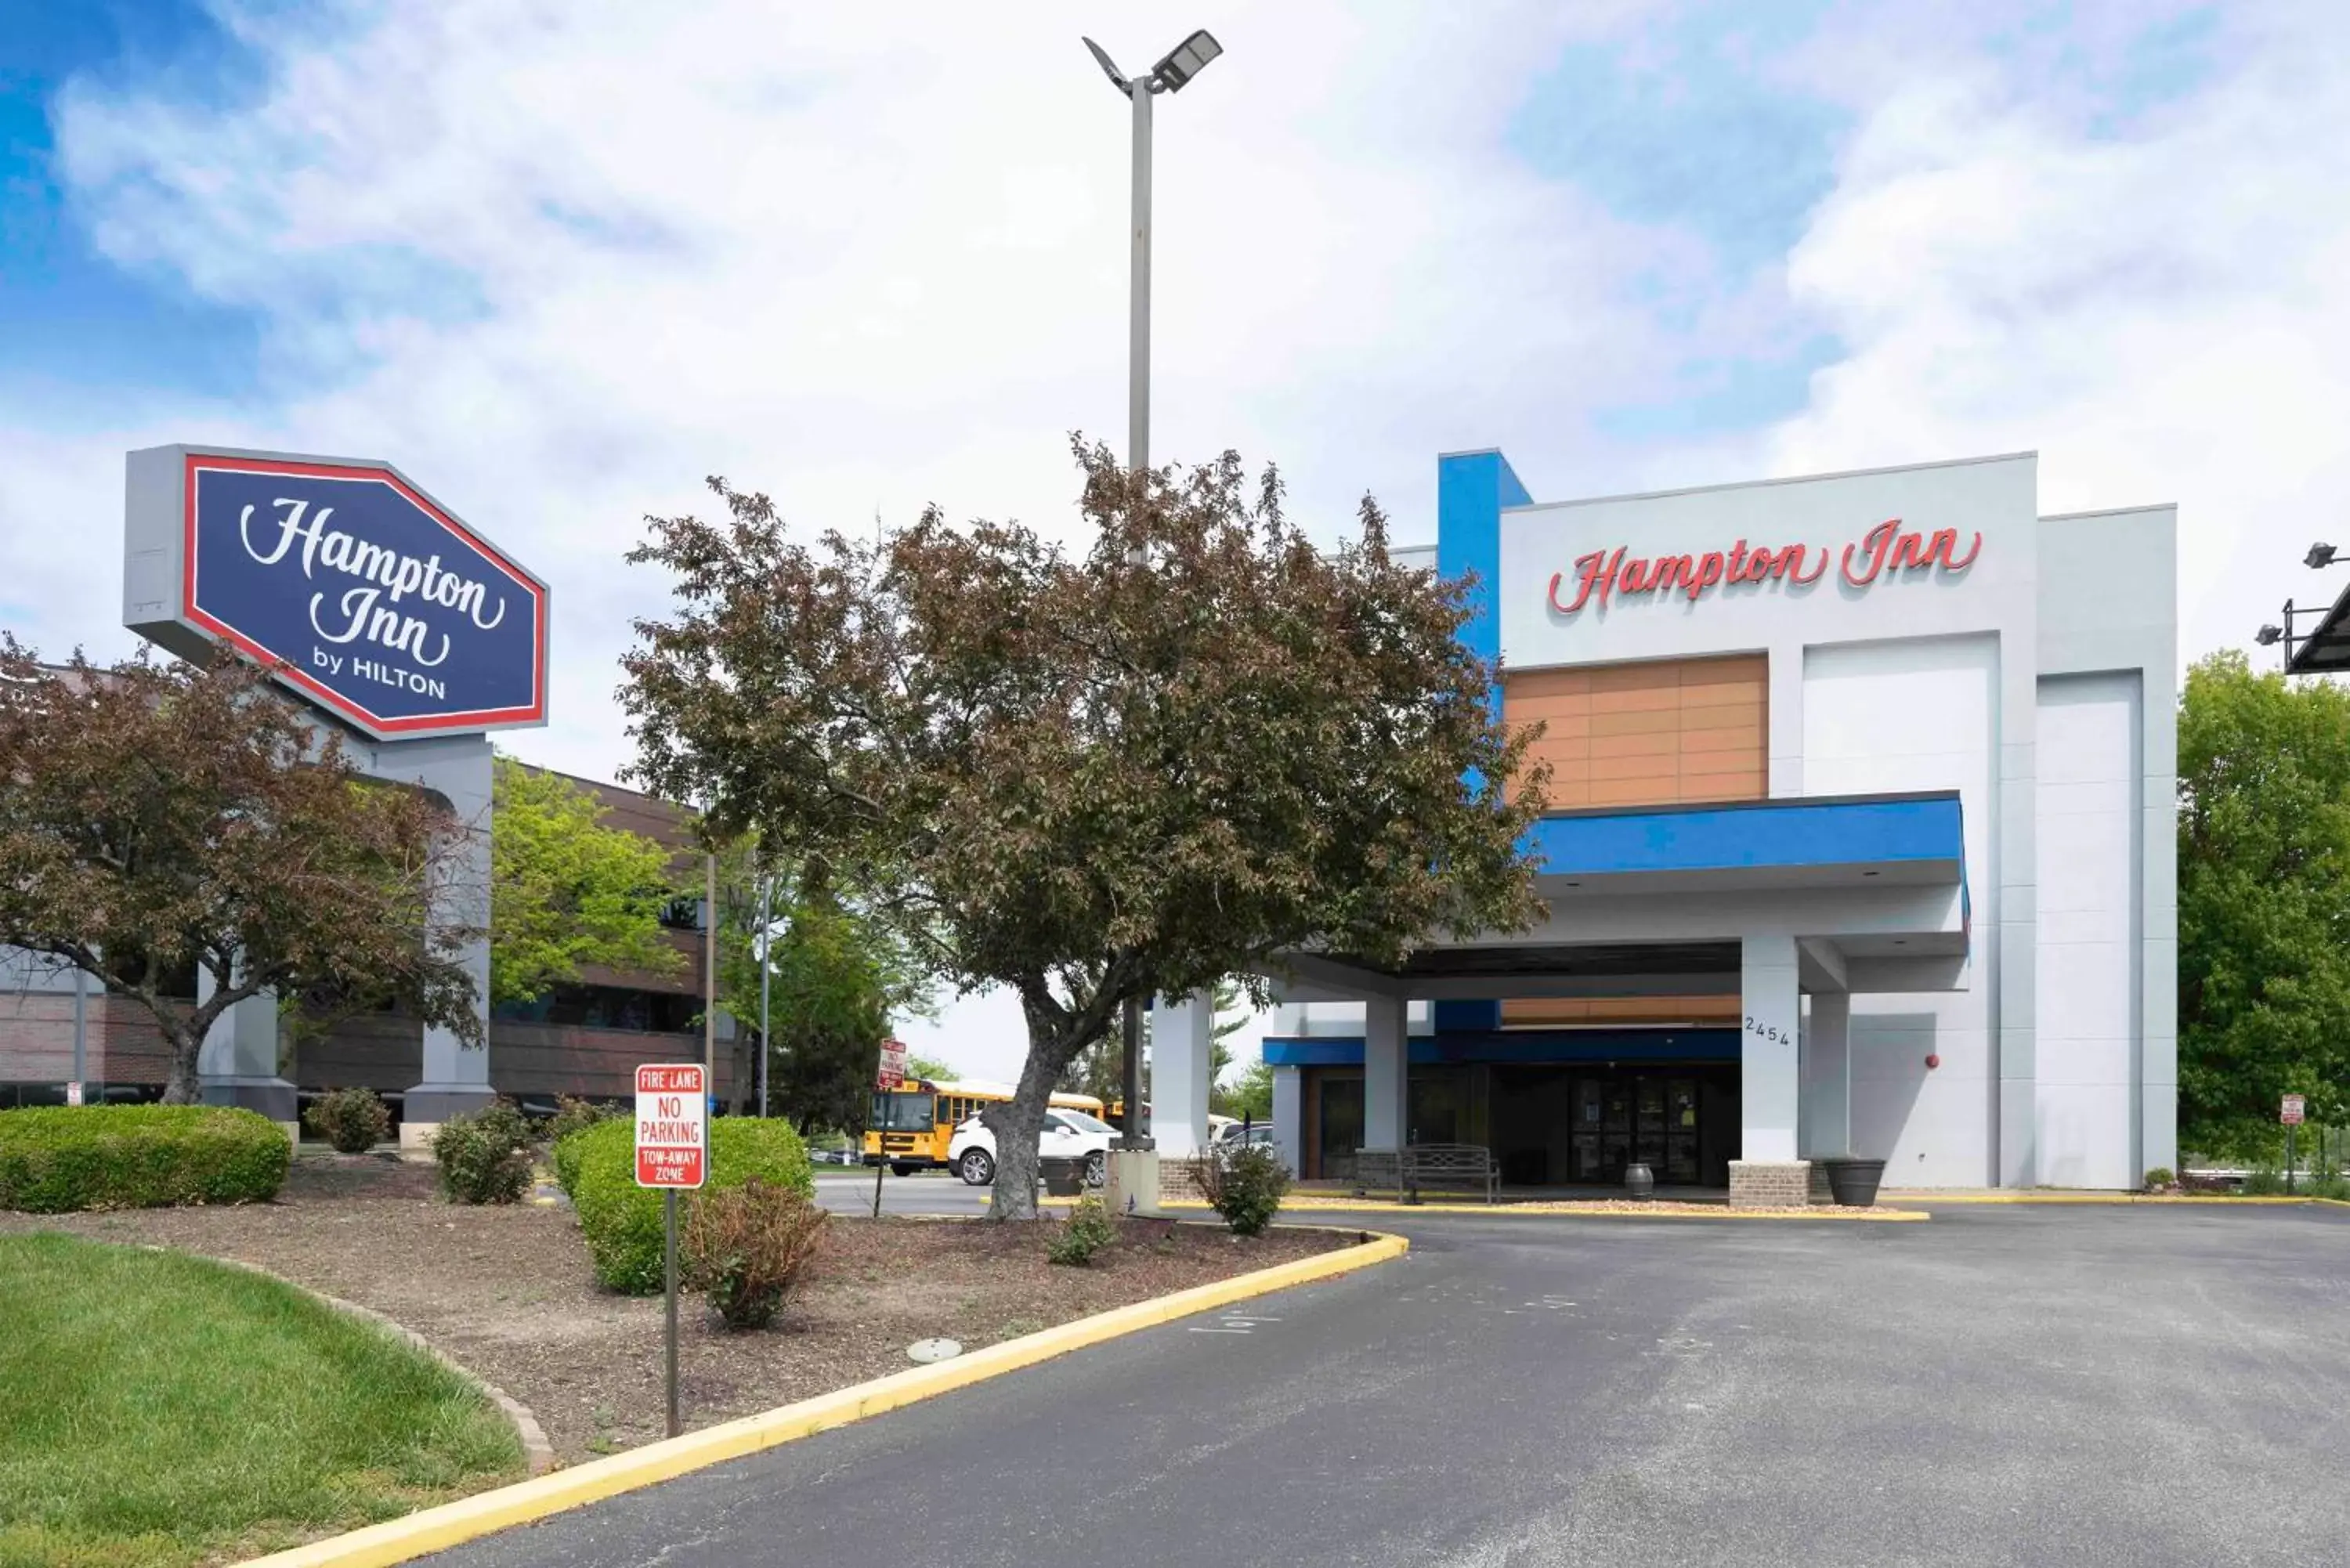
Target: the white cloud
(560, 262)
(2162, 312)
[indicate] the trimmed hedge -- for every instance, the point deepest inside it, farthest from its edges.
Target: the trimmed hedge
(622, 1221)
(564, 1155)
(55, 1160)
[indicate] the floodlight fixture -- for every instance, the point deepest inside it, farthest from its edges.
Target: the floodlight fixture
(1110, 67)
(1186, 60)
(2319, 556)
(2268, 636)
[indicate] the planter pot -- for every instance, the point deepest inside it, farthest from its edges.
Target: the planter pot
(1063, 1178)
(1853, 1182)
(1639, 1181)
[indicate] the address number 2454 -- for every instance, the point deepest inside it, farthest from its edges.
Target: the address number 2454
(1771, 1031)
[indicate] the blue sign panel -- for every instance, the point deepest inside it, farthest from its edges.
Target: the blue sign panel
(381, 606)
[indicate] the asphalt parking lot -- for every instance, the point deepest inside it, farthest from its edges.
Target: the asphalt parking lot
(2028, 1386)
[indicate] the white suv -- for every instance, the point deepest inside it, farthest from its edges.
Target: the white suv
(1066, 1135)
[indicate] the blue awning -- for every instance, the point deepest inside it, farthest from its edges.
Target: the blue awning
(1915, 837)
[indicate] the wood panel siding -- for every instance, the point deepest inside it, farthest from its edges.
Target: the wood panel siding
(1663, 732)
(1546, 1013)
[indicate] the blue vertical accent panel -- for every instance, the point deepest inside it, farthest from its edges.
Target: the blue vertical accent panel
(1471, 488)
(1467, 1017)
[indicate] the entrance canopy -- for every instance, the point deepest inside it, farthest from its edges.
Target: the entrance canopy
(1658, 900)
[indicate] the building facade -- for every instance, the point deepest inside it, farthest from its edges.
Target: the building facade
(585, 1038)
(1859, 843)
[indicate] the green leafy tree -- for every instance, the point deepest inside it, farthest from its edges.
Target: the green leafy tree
(839, 980)
(158, 819)
(1195, 744)
(2263, 904)
(838, 977)
(936, 1068)
(568, 892)
(1249, 1097)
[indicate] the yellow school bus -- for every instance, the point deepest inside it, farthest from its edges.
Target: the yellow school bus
(910, 1127)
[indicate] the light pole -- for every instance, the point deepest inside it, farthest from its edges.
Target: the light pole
(2319, 652)
(767, 968)
(1184, 61)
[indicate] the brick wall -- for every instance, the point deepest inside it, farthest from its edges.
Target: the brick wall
(121, 1041)
(1770, 1183)
(380, 1051)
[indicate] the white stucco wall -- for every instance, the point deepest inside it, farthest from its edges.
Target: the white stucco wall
(1887, 717)
(2109, 588)
(2090, 929)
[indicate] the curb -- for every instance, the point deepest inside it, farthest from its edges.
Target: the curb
(2118, 1197)
(485, 1513)
(1565, 1208)
(537, 1453)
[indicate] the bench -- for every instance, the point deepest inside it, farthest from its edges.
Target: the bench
(1464, 1165)
(1408, 1170)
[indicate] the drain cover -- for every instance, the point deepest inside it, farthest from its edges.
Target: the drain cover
(933, 1350)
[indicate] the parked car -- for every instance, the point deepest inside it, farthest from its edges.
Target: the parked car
(1067, 1134)
(1232, 1134)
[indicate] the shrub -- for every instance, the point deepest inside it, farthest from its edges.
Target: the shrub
(353, 1120)
(622, 1221)
(2328, 1184)
(746, 1246)
(2263, 1183)
(2160, 1179)
(1087, 1231)
(565, 1156)
(55, 1160)
(484, 1154)
(571, 1114)
(1244, 1185)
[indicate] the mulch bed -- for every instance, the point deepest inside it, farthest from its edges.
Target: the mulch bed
(507, 1292)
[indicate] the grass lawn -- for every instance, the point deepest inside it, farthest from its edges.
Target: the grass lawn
(159, 1409)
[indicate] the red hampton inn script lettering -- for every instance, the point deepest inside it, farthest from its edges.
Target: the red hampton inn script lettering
(1602, 573)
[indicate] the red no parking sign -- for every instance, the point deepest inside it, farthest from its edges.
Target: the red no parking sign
(672, 1128)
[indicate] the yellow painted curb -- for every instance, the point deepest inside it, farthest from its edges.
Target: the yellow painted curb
(1552, 1209)
(485, 1513)
(2148, 1197)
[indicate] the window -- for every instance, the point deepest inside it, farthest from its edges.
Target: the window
(902, 1113)
(1342, 1116)
(606, 1007)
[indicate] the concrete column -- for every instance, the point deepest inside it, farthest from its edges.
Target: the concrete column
(456, 1076)
(1289, 1116)
(1767, 1172)
(237, 1064)
(1182, 1036)
(1767, 1079)
(1387, 1066)
(1827, 1076)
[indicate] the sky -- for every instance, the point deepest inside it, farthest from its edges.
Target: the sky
(560, 262)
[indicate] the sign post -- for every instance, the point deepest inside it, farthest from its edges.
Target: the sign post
(2289, 1114)
(673, 1152)
(889, 1077)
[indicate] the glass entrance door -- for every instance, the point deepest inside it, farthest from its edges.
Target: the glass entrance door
(1623, 1116)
